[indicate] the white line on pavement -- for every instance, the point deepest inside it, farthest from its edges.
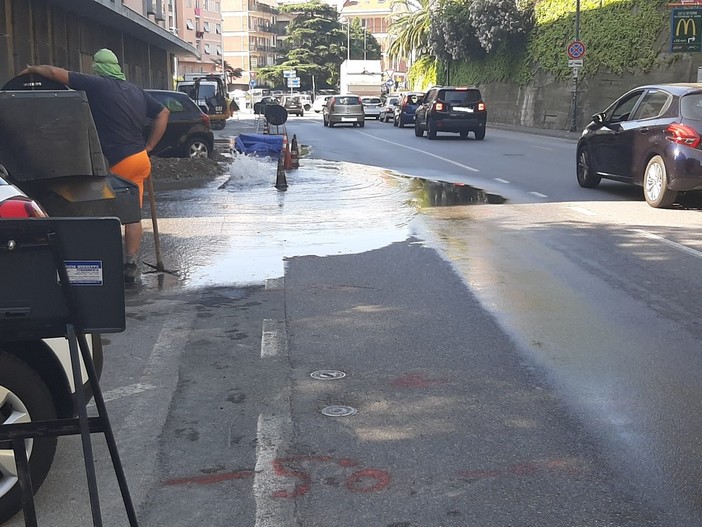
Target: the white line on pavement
(538, 194)
(466, 167)
(675, 245)
(583, 211)
(500, 180)
(125, 391)
(272, 338)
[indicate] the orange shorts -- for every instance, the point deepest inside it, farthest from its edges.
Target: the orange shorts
(136, 168)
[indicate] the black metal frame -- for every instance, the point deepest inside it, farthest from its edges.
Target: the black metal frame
(81, 425)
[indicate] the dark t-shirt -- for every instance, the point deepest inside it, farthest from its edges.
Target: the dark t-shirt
(120, 111)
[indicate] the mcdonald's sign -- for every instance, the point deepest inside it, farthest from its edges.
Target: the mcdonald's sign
(686, 30)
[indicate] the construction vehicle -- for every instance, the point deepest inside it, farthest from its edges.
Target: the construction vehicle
(209, 91)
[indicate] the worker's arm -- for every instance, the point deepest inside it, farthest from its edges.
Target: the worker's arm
(157, 129)
(50, 72)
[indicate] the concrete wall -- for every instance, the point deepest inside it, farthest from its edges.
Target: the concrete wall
(35, 32)
(546, 103)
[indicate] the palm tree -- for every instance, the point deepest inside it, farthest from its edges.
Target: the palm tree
(409, 28)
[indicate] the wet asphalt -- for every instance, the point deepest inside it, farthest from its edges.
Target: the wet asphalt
(452, 425)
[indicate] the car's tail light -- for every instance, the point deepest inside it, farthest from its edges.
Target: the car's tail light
(206, 120)
(481, 106)
(683, 134)
(21, 207)
(439, 106)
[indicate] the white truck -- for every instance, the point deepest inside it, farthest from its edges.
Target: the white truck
(361, 77)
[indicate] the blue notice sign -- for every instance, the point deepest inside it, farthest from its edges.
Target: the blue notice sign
(252, 84)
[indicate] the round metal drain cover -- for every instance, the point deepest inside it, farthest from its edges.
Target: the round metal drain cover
(338, 411)
(327, 375)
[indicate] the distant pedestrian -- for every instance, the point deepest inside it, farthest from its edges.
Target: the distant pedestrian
(120, 111)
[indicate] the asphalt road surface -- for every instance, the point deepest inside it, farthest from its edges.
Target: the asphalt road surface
(532, 362)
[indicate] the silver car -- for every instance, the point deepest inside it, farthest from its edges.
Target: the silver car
(371, 106)
(344, 109)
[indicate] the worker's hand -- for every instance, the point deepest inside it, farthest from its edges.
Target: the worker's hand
(26, 70)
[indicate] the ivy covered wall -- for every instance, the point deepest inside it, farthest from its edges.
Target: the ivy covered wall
(627, 43)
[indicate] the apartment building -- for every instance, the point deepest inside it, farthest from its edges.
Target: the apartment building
(67, 33)
(199, 23)
(250, 36)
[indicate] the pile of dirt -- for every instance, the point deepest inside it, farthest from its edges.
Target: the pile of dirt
(175, 169)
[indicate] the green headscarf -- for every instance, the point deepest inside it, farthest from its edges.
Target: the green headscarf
(105, 64)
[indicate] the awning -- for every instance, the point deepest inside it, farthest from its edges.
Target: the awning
(112, 13)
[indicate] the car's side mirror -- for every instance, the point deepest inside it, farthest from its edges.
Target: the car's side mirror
(598, 118)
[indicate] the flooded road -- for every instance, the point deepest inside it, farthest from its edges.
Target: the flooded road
(241, 231)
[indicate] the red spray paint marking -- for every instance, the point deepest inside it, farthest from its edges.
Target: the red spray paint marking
(382, 480)
(212, 478)
(416, 380)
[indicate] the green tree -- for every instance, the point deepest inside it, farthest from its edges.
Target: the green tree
(410, 23)
(316, 45)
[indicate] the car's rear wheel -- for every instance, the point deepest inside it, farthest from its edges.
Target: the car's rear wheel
(463, 134)
(655, 184)
(417, 129)
(24, 397)
(302, 114)
(400, 123)
(324, 121)
(480, 134)
(394, 121)
(361, 124)
(197, 148)
(331, 125)
(431, 131)
(585, 173)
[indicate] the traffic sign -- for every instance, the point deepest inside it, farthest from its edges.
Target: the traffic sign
(252, 83)
(575, 63)
(390, 83)
(293, 82)
(289, 73)
(575, 50)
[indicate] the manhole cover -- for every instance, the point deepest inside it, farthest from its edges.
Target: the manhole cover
(327, 375)
(338, 411)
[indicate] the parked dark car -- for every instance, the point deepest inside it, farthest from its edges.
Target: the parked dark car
(651, 137)
(450, 109)
(293, 105)
(189, 133)
(404, 112)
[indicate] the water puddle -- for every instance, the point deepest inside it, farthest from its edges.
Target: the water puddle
(240, 229)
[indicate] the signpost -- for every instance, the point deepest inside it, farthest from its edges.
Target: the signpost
(686, 30)
(293, 82)
(289, 73)
(576, 54)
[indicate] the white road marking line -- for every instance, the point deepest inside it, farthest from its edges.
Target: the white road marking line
(500, 180)
(538, 194)
(421, 152)
(583, 211)
(125, 391)
(541, 147)
(272, 338)
(675, 245)
(273, 432)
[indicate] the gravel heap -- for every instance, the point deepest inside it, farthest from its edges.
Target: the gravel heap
(175, 168)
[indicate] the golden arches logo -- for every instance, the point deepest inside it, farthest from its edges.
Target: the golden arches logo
(686, 24)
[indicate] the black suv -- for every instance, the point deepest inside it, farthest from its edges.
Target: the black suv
(450, 109)
(189, 132)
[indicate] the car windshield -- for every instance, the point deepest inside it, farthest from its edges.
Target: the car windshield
(393, 101)
(207, 90)
(347, 101)
(691, 106)
(460, 96)
(371, 100)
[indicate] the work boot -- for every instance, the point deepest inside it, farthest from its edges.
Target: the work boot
(131, 270)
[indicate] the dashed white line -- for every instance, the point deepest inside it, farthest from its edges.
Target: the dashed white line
(675, 245)
(583, 211)
(466, 167)
(272, 338)
(538, 194)
(500, 180)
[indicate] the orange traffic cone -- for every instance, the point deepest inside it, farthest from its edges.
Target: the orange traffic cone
(294, 153)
